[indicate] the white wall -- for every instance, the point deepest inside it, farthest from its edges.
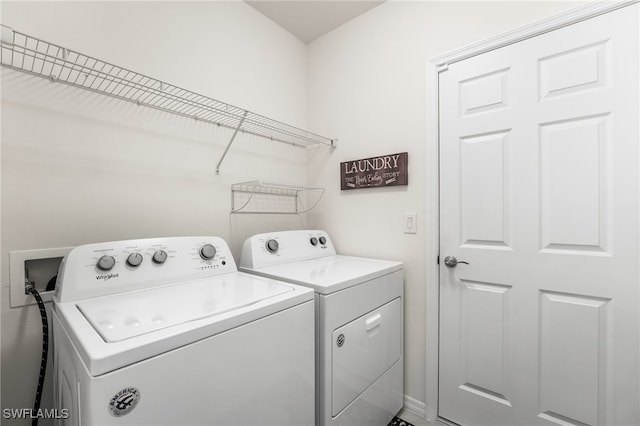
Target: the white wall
(367, 86)
(79, 167)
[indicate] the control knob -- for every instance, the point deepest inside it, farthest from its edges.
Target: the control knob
(134, 259)
(160, 256)
(106, 263)
(207, 251)
(272, 246)
(313, 241)
(323, 240)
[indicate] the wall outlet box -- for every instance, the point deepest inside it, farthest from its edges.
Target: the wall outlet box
(36, 267)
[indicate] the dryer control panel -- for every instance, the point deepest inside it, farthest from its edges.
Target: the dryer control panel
(120, 266)
(277, 248)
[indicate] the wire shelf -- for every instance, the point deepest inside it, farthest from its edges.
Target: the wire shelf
(31, 55)
(273, 198)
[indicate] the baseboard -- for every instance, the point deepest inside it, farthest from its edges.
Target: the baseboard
(414, 406)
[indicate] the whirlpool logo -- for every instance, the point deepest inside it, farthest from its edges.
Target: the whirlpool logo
(106, 277)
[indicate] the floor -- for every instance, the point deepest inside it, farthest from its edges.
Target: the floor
(415, 419)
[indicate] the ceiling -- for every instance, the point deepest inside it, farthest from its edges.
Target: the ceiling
(310, 19)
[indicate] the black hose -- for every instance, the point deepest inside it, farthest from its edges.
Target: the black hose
(45, 352)
(51, 285)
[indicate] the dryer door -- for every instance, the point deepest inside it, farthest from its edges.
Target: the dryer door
(363, 350)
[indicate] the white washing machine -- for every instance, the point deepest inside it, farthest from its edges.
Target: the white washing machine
(359, 322)
(166, 331)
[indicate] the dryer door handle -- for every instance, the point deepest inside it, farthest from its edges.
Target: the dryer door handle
(373, 321)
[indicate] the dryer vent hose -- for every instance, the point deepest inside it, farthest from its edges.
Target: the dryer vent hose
(45, 352)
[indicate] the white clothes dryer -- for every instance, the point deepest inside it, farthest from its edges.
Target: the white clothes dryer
(166, 331)
(359, 322)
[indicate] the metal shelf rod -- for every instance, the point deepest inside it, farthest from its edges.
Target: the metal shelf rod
(235, 132)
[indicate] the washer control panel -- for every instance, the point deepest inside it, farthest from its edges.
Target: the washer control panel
(278, 248)
(119, 266)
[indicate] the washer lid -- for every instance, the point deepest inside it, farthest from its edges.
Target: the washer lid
(329, 274)
(126, 315)
(189, 315)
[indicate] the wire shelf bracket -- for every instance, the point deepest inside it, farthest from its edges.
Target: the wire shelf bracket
(243, 193)
(34, 56)
(235, 133)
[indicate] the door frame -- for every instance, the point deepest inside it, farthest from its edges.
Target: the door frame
(435, 66)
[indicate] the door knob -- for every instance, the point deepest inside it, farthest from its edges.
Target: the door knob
(452, 262)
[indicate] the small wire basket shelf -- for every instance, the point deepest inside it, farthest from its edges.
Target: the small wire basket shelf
(258, 197)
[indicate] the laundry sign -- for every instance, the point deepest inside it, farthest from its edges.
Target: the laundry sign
(375, 172)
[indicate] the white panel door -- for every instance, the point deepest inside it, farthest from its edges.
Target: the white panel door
(539, 193)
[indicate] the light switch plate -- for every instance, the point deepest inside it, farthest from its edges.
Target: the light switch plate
(410, 223)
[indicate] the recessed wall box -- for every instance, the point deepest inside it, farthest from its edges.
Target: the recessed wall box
(35, 267)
